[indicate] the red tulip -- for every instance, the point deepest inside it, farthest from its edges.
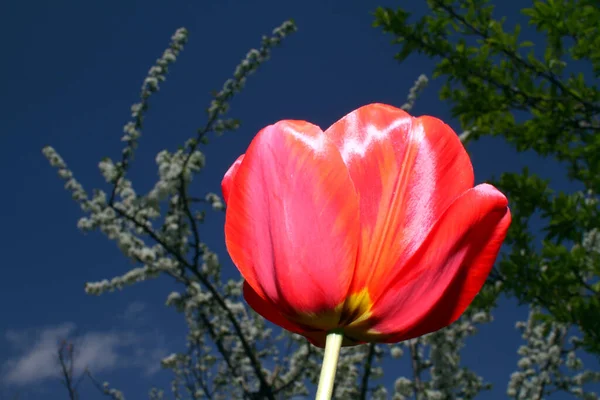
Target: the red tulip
(372, 227)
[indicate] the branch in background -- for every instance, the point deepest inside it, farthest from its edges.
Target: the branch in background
(104, 388)
(124, 216)
(66, 360)
(364, 384)
(438, 356)
(415, 359)
(517, 59)
(546, 365)
(133, 128)
(415, 90)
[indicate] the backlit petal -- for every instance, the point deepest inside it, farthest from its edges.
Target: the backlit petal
(407, 171)
(292, 222)
(227, 182)
(269, 312)
(446, 273)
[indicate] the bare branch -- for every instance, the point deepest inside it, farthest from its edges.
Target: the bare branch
(66, 357)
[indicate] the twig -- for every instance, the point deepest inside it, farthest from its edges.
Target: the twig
(66, 365)
(113, 394)
(265, 389)
(364, 386)
(414, 355)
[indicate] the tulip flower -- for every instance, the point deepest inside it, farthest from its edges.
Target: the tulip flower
(370, 231)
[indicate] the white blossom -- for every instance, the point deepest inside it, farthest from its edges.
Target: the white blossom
(414, 92)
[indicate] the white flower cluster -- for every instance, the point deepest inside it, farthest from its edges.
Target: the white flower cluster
(415, 90)
(156, 394)
(172, 168)
(150, 85)
(247, 66)
(350, 365)
(114, 394)
(135, 275)
(396, 351)
(591, 241)
(215, 201)
(72, 185)
(544, 357)
(403, 388)
(438, 353)
(156, 74)
(467, 134)
(210, 334)
(223, 125)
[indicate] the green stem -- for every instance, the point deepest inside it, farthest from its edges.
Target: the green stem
(333, 343)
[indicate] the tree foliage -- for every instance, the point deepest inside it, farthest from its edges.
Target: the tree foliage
(540, 97)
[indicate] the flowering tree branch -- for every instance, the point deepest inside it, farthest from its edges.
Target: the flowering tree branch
(105, 388)
(126, 217)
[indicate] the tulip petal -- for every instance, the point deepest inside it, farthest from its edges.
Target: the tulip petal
(292, 222)
(447, 272)
(269, 312)
(407, 171)
(227, 182)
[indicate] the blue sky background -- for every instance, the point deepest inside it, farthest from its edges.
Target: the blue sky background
(70, 72)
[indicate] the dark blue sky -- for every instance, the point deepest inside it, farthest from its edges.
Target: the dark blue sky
(71, 70)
